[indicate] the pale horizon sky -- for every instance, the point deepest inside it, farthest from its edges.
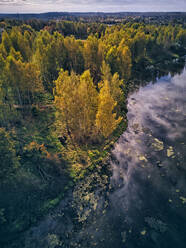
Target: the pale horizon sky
(41, 6)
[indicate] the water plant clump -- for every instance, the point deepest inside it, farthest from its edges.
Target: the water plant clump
(158, 145)
(156, 224)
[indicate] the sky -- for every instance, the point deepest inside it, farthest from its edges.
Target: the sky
(40, 6)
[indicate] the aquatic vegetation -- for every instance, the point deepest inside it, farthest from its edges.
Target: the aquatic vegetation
(136, 126)
(124, 236)
(156, 224)
(143, 232)
(143, 158)
(158, 145)
(170, 151)
(85, 198)
(183, 199)
(128, 151)
(53, 241)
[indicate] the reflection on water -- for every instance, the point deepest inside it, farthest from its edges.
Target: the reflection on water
(150, 172)
(147, 205)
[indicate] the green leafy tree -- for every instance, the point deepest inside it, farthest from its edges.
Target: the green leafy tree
(6, 43)
(75, 60)
(23, 80)
(181, 37)
(93, 55)
(50, 56)
(124, 61)
(9, 160)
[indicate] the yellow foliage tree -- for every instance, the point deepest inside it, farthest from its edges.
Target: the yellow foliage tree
(124, 60)
(88, 97)
(76, 100)
(67, 102)
(106, 121)
(93, 55)
(23, 79)
(115, 85)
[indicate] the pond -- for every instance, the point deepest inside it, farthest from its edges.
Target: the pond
(149, 202)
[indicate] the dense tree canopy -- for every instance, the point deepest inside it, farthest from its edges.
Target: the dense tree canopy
(63, 90)
(34, 63)
(9, 160)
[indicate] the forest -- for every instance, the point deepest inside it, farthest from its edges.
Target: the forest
(100, 17)
(63, 104)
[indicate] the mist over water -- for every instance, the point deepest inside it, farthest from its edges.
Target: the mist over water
(149, 170)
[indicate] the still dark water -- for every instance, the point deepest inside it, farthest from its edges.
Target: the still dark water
(146, 204)
(150, 203)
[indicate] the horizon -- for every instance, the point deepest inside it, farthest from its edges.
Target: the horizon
(91, 12)
(90, 6)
